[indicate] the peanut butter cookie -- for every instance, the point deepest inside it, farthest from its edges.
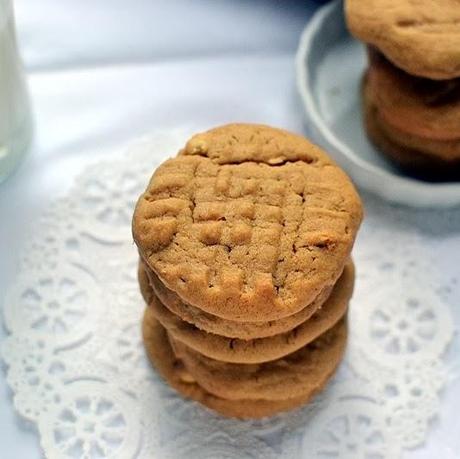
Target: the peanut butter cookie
(421, 37)
(224, 327)
(428, 158)
(261, 349)
(172, 370)
(302, 372)
(248, 222)
(417, 106)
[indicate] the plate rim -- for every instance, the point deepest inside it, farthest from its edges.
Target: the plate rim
(394, 188)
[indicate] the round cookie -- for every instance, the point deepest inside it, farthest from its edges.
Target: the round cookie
(302, 372)
(262, 349)
(248, 222)
(421, 37)
(229, 328)
(162, 357)
(429, 158)
(417, 106)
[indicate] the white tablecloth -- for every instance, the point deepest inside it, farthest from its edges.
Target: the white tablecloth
(103, 73)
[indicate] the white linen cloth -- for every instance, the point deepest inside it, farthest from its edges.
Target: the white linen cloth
(103, 73)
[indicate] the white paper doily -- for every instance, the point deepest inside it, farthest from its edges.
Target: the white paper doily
(77, 368)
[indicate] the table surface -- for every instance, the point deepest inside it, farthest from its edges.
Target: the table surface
(103, 73)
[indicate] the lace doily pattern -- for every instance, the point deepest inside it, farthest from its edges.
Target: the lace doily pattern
(77, 368)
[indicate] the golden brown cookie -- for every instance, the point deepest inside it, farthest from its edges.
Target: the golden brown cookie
(171, 369)
(421, 37)
(417, 106)
(448, 150)
(248, 222)
(263, 349)
(429, 158)
(144, 284)
(295, 375)
(230, 328)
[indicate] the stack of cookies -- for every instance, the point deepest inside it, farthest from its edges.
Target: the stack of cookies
(244, 241)
(412, 86)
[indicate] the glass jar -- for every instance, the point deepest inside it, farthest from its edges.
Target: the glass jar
(15, 116)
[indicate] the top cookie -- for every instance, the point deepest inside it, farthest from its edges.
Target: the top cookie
(248, 222)
(420, 36)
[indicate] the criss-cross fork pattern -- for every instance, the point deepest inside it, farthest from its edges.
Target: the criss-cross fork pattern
(244, 226)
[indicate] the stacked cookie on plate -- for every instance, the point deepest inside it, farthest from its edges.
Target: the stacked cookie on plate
(412, 86)
(245, 240)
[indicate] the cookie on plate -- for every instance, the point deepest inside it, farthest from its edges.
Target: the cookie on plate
(429, 158)
(417, 106)
(421, 37)
(412, 106)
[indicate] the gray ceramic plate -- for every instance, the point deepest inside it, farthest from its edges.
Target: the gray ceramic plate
(330, 64)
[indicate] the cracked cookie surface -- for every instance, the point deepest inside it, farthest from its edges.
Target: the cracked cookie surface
(248, 222)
